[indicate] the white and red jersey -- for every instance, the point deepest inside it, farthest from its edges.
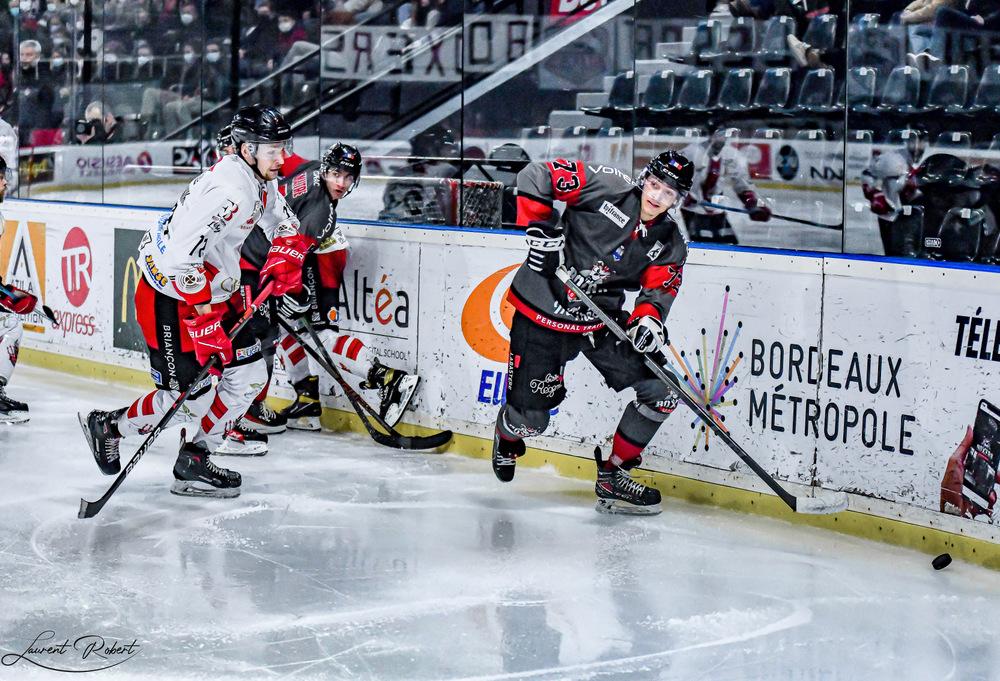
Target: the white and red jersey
(892, 172)
(193, 253)
(729, 166)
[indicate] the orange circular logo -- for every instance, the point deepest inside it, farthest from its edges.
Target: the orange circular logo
(487, 316)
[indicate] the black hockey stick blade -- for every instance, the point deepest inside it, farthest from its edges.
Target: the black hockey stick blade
(390, 438)
(813, 505)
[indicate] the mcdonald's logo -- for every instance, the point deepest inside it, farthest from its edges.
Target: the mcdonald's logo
(127, 334)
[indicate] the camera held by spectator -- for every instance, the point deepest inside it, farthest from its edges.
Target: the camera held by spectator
(99, 125)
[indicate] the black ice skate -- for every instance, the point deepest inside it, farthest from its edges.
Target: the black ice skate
(395, 389)
(260, 418)
(505, 453)
(11, 411)
(101, 430)
(196, 476)
(619, 493)
(241, 441)
(304, 412)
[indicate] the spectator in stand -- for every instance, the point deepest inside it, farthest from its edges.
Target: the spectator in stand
(147, 70)
(968, 17)
(185, 90)
(260, 40)
(113, 67)
(918, 17)
(36, 98)
(99, 125)
(290, 31)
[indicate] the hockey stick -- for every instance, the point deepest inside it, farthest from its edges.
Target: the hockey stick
(777, 216)
(391, 438)
(88, 509)
(815, 505)
(45, 308)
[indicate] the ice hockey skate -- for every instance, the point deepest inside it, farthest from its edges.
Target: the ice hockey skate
(242, 441)
(12, 411)
(505, 454)
(304, 412)
(260, 418)
(395, 388)
(617, 492)
(103, 437)
(196, 476)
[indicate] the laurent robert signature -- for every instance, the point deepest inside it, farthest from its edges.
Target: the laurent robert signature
(89, 649)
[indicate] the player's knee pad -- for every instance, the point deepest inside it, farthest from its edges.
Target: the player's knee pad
(516, 423)
(654, 400)
(245, 381)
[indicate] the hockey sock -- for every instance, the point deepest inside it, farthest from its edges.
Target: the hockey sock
(293, 358)
(236, 391)
(10, 342)
(147, 411)
(636, 428)
(350, 353)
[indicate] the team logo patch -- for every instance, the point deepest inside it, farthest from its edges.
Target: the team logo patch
(546, 386)
(244, 353)
(932, 242)
(655, 251)
(613, 214)
(300, 185)
(619, 252)
(157, 377)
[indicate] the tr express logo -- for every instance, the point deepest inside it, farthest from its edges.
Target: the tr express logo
(77, 267)
(486, 320)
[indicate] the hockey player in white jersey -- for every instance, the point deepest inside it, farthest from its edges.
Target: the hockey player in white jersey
(717, 162)
(889, 183)
(190, 294)
(13, 303)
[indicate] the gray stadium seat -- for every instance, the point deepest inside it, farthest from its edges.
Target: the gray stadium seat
(660, 92)
(696, 92)
(816, 92)
(949, 89)
(822, 32)
(861, 89)
(775, 86)
(987, 97)
(901, 93)
(734, 95)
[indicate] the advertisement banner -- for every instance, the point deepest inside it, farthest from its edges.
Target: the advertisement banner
(79, 280)
(125, 329)
(22, 263)
(910, 384)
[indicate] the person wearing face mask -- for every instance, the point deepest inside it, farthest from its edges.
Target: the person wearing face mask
(259, 41)
(290, 31)
(185, 89)
(36, 109)
(146, 67)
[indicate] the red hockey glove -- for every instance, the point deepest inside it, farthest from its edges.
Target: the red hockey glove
(645, 330)
(21, 302)
(759, 212)
(869, 191)
(284, 263)
(209, 338)
(880, 204)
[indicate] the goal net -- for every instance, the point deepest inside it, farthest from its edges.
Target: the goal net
(443, 201)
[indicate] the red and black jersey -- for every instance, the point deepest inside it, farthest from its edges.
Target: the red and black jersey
(608, 248)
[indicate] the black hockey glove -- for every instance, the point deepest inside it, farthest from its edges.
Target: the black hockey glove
(545, 244)
(294, 306)
(646, 333)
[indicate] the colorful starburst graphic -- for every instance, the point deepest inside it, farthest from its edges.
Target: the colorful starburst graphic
(714, 376)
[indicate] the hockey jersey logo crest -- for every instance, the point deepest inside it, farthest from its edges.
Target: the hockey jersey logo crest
(655, 251)
(608, 210)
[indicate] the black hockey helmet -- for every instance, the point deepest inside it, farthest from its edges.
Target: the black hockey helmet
(260, 124)
(224, 138)
(344, 157)
(945, 171)
(435, 142)
(670, 167)
(510, 157)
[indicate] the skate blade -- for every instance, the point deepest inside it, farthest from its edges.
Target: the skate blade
(407, 387)
(93, 447)
(193, 488)
(14, 417)
(304, 423)
(261, 428)
(619, 507)
(243, 449)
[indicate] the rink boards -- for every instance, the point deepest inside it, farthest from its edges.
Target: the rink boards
(849, 374)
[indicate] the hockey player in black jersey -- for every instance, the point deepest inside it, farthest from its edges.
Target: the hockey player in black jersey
(615, 235)
(313, 189)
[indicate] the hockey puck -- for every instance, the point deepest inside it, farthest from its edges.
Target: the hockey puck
(942, 561)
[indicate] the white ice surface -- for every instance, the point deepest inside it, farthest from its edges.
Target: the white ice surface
(344, 560)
